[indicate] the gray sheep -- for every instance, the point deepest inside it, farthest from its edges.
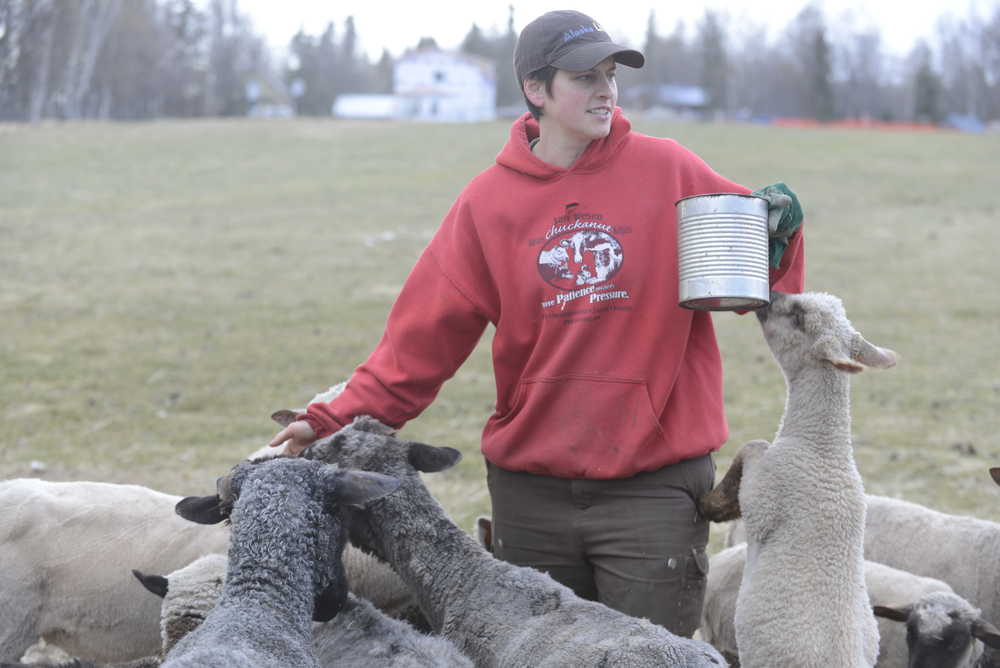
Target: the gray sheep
(285, 569)
(496, 613)
(360, 635)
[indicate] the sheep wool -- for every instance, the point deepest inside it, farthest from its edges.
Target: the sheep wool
(285, 568)
(497, 614)
(802, 602)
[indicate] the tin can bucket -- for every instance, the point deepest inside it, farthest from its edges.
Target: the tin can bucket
(722, 247)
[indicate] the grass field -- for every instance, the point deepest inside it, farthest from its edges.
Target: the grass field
(166, 286)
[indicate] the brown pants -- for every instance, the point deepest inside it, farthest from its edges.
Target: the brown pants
(635, 544)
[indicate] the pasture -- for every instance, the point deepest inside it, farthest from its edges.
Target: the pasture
(166, 286)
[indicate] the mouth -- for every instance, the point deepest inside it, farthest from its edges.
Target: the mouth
(600, 112)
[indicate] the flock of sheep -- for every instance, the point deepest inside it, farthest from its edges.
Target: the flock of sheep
(342, 557)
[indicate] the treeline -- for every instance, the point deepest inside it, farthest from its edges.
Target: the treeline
(813, 68)
(138, 59)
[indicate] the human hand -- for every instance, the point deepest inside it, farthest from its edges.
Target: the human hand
(784, 216)
(298, 435)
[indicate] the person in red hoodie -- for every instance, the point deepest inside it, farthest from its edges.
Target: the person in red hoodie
(609, 395)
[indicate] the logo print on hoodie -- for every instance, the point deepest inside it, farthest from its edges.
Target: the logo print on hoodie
(577, 258)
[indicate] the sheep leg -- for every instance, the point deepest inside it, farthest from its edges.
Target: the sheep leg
(722, 504)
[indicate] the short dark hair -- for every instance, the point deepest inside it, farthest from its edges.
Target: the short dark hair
(545, 75)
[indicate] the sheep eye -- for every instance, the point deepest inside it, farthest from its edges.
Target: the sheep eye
(798, 318)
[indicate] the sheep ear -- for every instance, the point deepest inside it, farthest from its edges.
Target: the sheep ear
(986, 632)
(329, 602)
(284, 417)
(895, 614)
(871, 355)
(154, 583)
(484, 532)
(201, 509)
(431, 459)
(358, 488)
(995, 474)
(828, 348)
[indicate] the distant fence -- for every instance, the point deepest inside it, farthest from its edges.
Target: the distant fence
(859, 124)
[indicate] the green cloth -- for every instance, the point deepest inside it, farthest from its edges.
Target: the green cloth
(784, 217)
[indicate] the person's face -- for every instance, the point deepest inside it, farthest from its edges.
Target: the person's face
(581, 103)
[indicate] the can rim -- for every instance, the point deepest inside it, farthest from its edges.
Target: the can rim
(748, 195)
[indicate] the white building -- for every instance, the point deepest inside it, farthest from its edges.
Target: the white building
(439, 85)
(430, 85)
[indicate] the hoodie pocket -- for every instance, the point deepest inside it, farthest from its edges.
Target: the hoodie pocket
(583, 415)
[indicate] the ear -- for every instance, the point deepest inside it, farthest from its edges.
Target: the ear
(534, 90)
(995, 473)
(201, 509)
(895, 614)
(484, 532)
(828, 348)
(154, 583)
(871, 355)
(431, 459)
(986, 632)
(329, 602)
(284, 417)
(357, 488)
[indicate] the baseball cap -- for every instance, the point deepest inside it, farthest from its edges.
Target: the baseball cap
(570, 41)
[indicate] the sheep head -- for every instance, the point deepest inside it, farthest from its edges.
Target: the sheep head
(941, 630)
(368, 444)
(275, 497)
(812, 330)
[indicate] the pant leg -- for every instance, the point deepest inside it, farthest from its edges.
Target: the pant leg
(646, 543)
(534, 524)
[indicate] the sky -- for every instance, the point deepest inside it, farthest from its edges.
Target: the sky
(397, 24)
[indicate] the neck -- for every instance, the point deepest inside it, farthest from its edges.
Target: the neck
(404, 538)
(817, 410)
(556, 148)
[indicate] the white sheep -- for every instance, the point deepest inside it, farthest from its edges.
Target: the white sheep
(886, 586)
(496, 613)
(288, 533)
(67, 549)
(954, 548)
(802, 601)
(943, 630)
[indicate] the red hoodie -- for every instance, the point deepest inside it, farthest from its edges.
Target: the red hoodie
(599, 373)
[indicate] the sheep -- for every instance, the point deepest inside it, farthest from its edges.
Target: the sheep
(66, 550)
(360, 635)
(942, 630)
(288, 534)
(496, 613)
(953, 548)
(886, 587)
(802, 600)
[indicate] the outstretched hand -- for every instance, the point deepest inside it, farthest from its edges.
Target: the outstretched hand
(298, 435)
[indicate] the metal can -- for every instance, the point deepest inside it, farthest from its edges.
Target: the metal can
(722, 247)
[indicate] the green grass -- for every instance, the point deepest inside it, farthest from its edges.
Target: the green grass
(166, 286)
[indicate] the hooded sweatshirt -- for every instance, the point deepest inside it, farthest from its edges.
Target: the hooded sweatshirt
(599, 373)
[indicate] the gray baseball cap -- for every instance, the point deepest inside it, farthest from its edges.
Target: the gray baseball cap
(570, 41)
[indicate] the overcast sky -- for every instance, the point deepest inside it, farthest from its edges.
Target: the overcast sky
(397, 24)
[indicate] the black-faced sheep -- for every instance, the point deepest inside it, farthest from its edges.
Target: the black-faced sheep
(285, 569)
(496, 613)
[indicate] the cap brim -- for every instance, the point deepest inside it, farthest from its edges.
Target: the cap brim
(586, 56)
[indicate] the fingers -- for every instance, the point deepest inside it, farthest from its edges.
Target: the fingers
(280, 437)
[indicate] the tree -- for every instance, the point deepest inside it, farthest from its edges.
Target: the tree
(926, 86)
(714, 63)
